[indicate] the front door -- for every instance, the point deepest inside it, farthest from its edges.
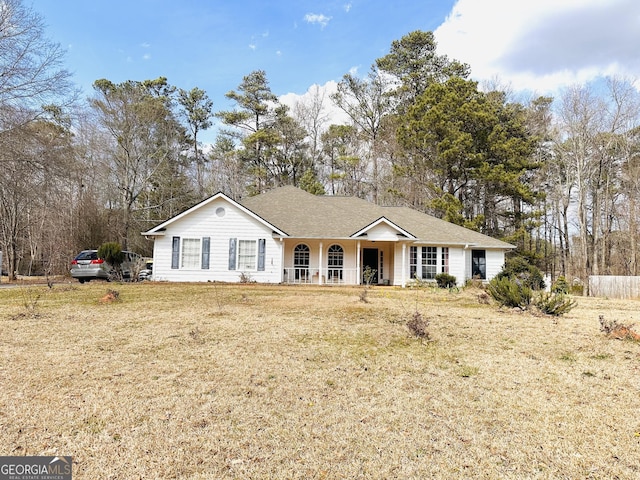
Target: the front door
(370, 259)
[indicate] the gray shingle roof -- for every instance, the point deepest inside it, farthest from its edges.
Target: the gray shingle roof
(303, 215)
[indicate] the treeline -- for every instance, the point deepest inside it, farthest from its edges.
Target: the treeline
(558, 178)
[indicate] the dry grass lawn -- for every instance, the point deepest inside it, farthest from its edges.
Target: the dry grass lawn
(217, 381)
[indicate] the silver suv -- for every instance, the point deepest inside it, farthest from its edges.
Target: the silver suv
(87, 266)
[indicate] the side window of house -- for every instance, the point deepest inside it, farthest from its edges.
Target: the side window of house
(247, 255)
(190, 257)
(247, 252)
(190, 253)
(445, 259)
(413, 262)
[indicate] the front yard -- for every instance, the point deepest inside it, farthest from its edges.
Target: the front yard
(252, 381)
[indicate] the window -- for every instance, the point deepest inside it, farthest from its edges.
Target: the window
(301, 262)
(247, 252)
(190, 253)
(445, 259)
(429, 262)
(413, 262)
(335, 262)
(381, 269)
(478, 264)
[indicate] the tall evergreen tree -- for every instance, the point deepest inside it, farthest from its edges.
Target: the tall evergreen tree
(249, 120)
(197, 110)
(477, 151)
(415, 64)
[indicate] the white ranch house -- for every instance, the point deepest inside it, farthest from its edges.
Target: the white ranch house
(290, 236)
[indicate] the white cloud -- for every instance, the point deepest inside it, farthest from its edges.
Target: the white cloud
(543, 45)
(334, 114)
(318, 18)
(347, 7)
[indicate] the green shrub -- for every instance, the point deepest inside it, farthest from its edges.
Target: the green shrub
(444, 280)
(554, 303)
(509, 292)
(111, 252)
(560, 286)
(521, 269)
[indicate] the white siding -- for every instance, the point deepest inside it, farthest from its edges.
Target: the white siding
(457, 264)
(495, 262)
(204, 222)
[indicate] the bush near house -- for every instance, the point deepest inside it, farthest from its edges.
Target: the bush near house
(444, 280)
(514, 287)
(520, 269)
(509, 292)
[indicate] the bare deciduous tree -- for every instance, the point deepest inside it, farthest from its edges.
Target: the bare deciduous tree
(31, 72)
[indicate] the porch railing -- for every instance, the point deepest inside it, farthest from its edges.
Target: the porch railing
(344, 276)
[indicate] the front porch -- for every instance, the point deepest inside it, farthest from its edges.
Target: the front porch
(356, 262)
(343, 262)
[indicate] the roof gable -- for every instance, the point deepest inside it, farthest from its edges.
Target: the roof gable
(383, 229)
(159, 229)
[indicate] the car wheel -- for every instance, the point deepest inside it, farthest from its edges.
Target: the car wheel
(81, 280)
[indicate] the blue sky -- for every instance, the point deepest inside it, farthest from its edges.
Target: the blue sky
(536, 46)
(213, 44)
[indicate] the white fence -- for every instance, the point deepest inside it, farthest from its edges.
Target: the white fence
(614, 286)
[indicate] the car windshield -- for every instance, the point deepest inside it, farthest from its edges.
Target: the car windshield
(88, 255)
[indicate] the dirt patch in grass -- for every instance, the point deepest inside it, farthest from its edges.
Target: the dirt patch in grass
(251, 381)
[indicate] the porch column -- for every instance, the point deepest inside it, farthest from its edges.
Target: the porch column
(282, 270)
(320, 266)
(358, 276)
(404, 265)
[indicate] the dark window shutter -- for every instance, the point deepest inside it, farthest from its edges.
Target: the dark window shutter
(206, 242)
(175, 253)
(261, 250)
(232, 253)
